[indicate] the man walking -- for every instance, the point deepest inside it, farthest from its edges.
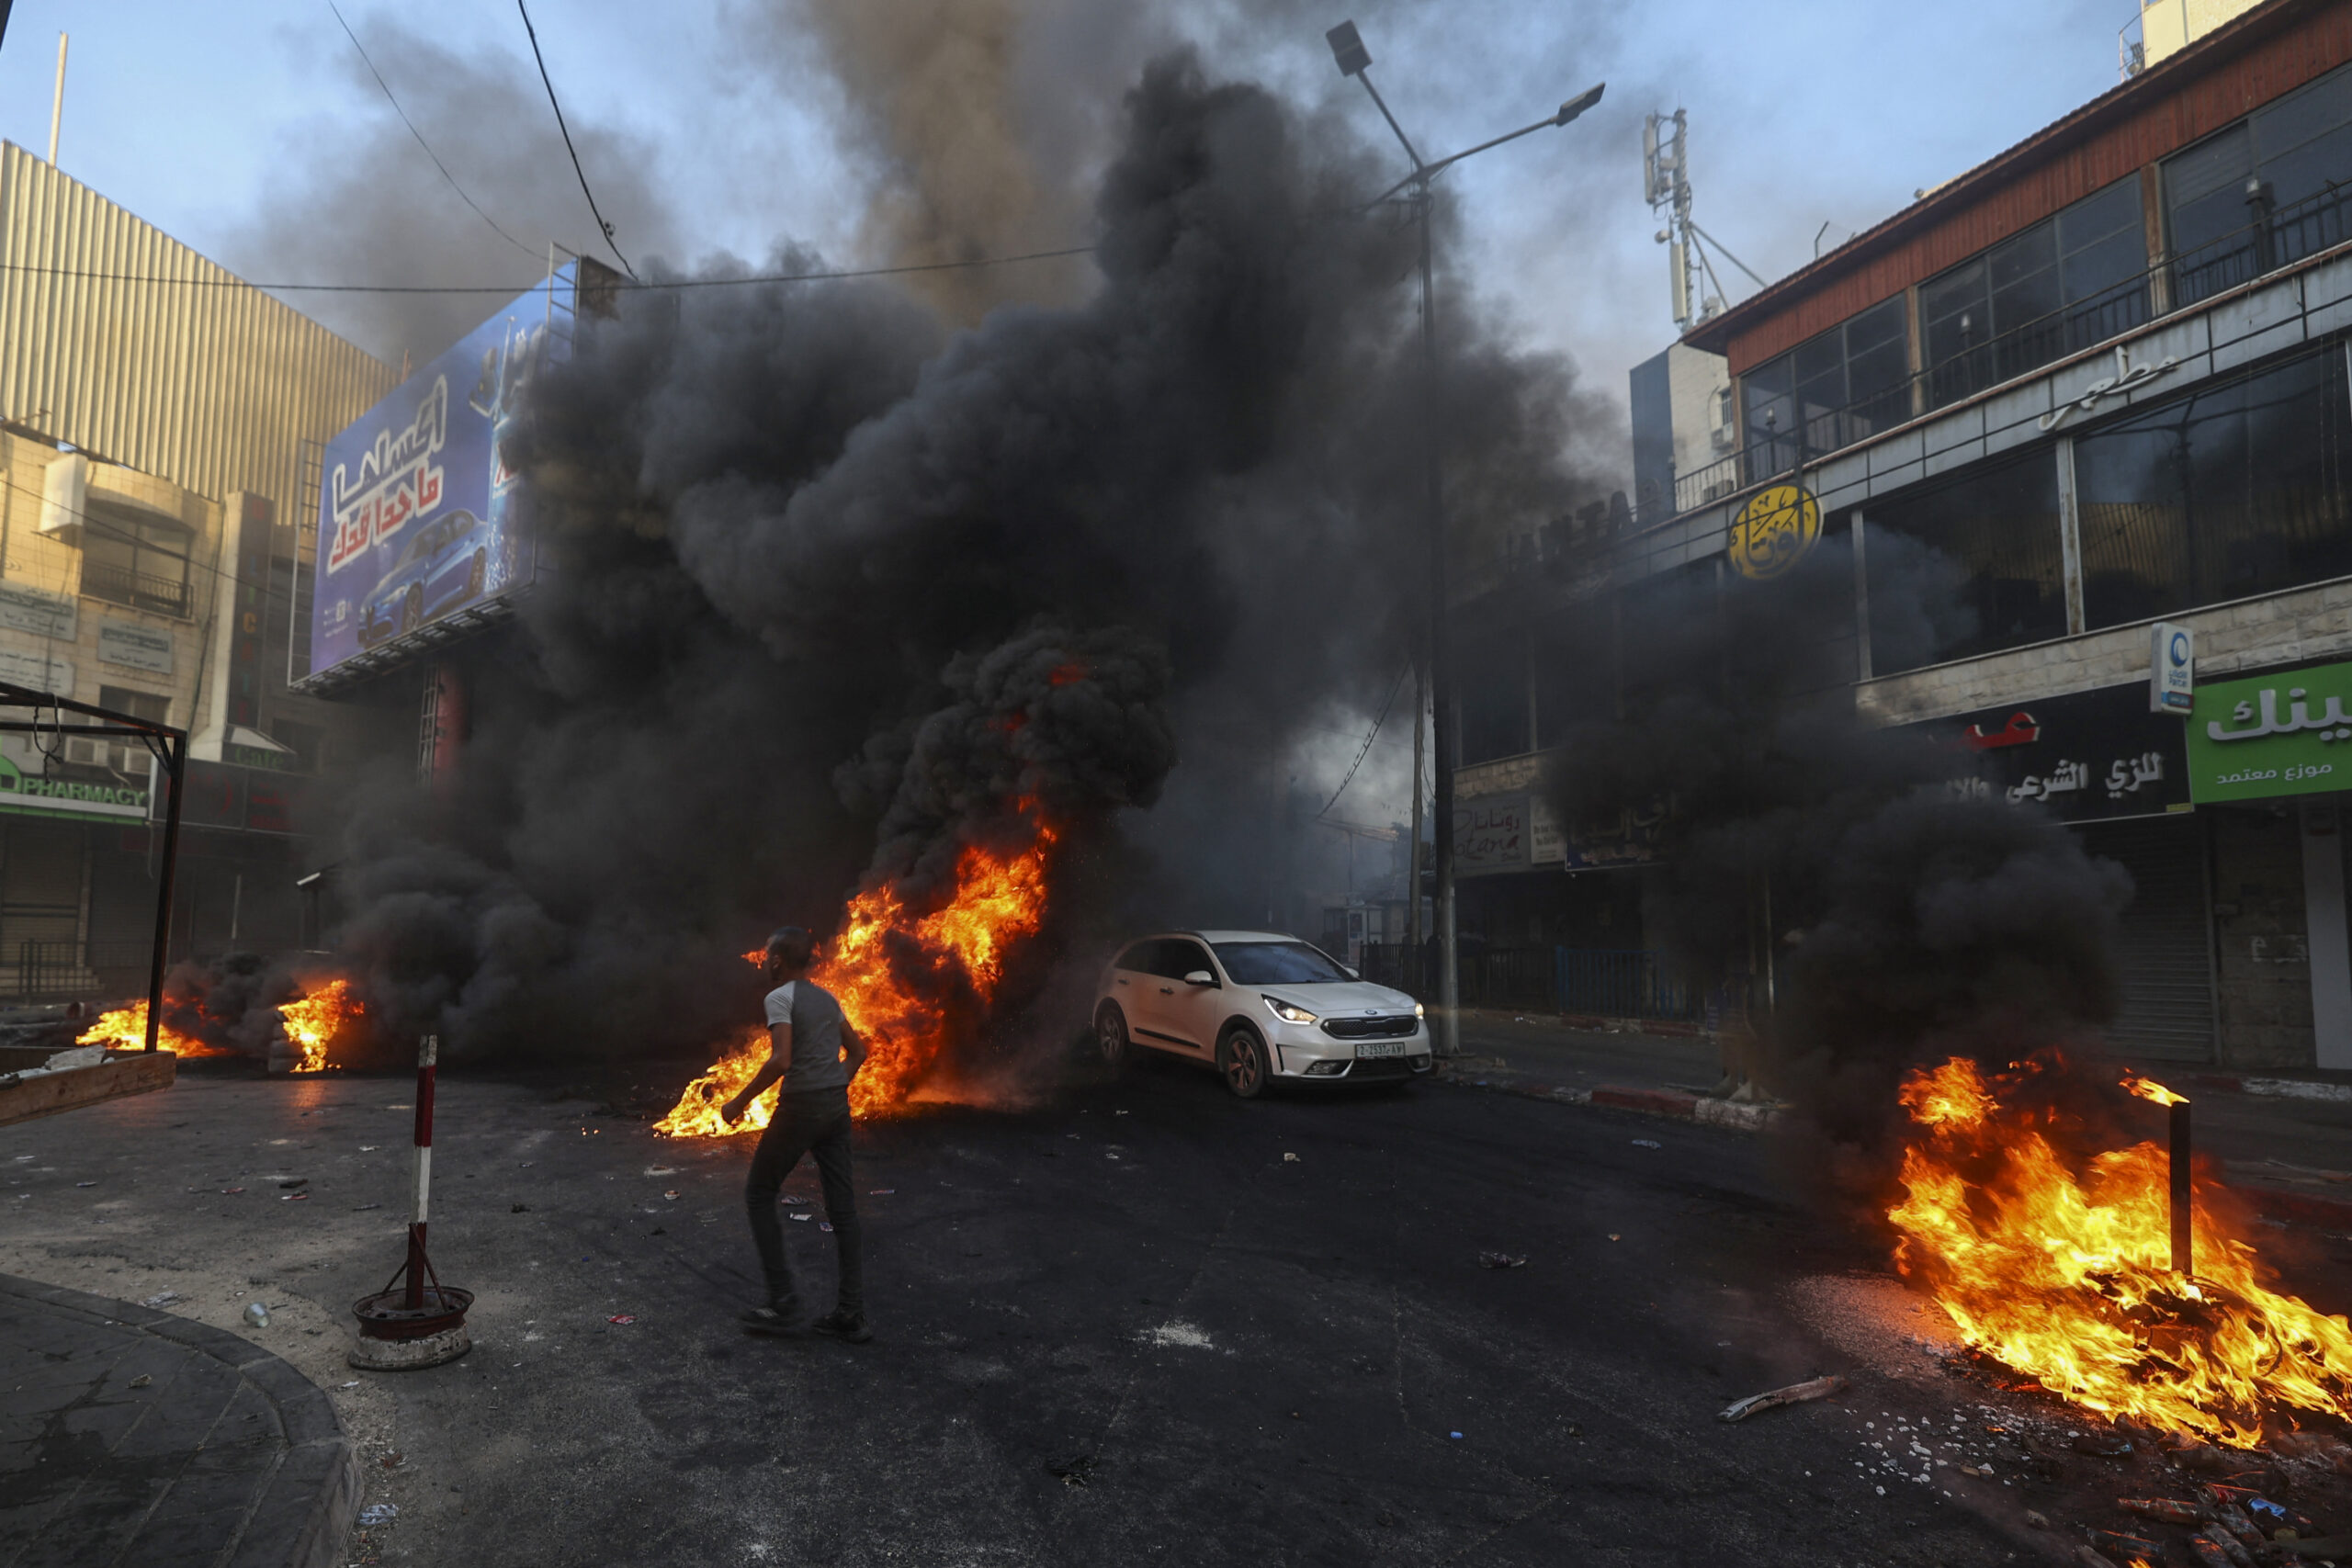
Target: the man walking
(816, 1052)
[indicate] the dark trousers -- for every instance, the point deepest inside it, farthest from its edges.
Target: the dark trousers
(814, 1123)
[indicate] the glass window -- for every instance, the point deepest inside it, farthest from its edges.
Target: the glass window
(1845, 384)
(1965, 568)
(2266, 192)
(2077, 278)
(134, 561)
(1279, 964)
(1174, 958)
(2224, 493)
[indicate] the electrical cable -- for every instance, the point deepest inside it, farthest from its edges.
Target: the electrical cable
(566, 143)
(429, 152)
(227, 280)
(1364, 750)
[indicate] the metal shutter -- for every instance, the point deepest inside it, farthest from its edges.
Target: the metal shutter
(2165, 951)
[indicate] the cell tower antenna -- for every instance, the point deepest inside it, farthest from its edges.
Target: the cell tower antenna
(1666, 185)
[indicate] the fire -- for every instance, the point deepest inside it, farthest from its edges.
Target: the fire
(2148, 1088)
(314, 1023)
(2066, 1275)
(1000, 900)
(125, 1029)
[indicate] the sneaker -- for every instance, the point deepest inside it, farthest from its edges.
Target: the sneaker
(847, 1326)
(770, 1319)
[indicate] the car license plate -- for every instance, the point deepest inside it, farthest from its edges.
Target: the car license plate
(1381, 1047)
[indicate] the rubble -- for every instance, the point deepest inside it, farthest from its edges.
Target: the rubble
(1795, 1394)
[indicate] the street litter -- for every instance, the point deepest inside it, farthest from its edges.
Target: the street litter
(1502, 1260)
(142, 1380)
(391, 1461)
(291, 1196)
(85, 1184)
(1612, 1236)
(353, 1384)
(231, 1191)
(369, 1148)
(1795, 1394)
(1075, 1471)
(376, 1514)
(802, 1218)
(673, 1195)
(1647, 1143)
(661, 1170)
(162, 1298)
(256, 1315)
(882, 1192)
(2170, 1510)
(623, 1317)
(796, 1200)
(825, 1224)
(1453, 1433)
(1290, 1159)
(362, 1208)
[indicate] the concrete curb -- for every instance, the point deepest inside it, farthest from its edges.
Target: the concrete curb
(23, 1096)
(2290, 1088)
(306, 1508)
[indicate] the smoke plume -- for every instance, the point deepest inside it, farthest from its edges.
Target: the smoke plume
(830, 595)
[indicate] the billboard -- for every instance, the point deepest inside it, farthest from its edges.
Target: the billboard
(418, 518)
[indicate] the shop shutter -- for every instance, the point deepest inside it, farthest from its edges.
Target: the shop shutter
(2166, 946)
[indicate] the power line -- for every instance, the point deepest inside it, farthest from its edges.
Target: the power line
(566, 142)
(1364, 750)
(429, 152)
(227, 280)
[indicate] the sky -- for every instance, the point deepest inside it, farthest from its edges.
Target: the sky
(253, 133)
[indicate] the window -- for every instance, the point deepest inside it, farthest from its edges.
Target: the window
(1173, 958)
(135, 560)
(1279, 964)
(2224, 493)
(129, 757)
(2074, 279)
(1966, 567)
(1833, 389)
(2263, 193)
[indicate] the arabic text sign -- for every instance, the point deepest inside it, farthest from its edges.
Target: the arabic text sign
(2272, 735)
(1774, 531)
(2085, 756)
(1491, 834)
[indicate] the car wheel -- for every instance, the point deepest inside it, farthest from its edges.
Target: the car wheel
(1111, 1036)
(479, 575)
(1241, 1061)
(412, 609)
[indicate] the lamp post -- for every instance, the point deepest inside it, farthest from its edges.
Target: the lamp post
(1354, 59)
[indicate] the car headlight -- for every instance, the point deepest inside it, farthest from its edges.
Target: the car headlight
(1289, 1012)
(1417, 1011)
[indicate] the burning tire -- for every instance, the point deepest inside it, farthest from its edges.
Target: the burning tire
(1111, 1036)
(1241, 1061)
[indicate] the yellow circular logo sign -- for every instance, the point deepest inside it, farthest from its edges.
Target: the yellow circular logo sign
(1774, 531)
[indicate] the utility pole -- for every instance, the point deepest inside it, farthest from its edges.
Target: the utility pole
(1354, 59)
(1413, 849)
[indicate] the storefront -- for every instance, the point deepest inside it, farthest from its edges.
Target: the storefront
(2104, 764)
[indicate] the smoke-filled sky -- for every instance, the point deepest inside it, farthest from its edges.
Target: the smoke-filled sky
(938, 129)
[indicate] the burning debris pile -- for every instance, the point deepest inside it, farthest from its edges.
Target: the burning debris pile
(2060, 1268)
(312, 1024)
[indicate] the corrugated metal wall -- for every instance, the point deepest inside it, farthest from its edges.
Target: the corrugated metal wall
(200, 380)
(2071, 167)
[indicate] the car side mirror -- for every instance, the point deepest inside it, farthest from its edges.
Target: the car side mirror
(1352, 974)
(1199, 977)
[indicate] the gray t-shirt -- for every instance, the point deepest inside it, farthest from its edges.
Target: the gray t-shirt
(817, 1023)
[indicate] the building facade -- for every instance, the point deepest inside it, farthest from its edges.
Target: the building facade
(2097, 386)
(159, 426)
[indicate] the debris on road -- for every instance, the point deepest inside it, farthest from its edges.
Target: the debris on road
(1647, 1143)
(2171, 1510)
(2103, 1445)
(795, 1199)
(142, 1380)
(1289, 1158)
(1613, 1237)
(363, 1208)
(376, 1514)
(231, 1191)
(661, 1170)
(292, 1197)
(825, 1224)
(622, 1317)
(160, 1297)
(882, 1192)
(517, 1209)
(256, 1315)
(1075, 1471)
(1502, 1260)
(1795, 1394)
(802, 1218)
(85, 1184)
(673, 1195)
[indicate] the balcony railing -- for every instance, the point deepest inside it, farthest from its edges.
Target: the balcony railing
(2279, 238)
(121, 585)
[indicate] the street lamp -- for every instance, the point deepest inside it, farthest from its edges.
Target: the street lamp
(1355, 60)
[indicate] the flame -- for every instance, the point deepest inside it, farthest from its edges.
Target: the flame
(314, 1023)
(2066, 1276)
(125, 1029)
(889, 968)
(2148, 1088)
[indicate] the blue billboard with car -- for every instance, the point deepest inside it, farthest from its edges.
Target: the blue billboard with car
(420, 515)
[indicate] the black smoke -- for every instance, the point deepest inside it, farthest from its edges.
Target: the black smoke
(1857, 917)
(832, 592)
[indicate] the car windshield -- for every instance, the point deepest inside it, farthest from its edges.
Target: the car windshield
(1278, 964)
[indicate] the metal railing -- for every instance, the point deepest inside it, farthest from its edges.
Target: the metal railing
(1623, 983)
(46, 971)
(2279, 239)
(121, 585)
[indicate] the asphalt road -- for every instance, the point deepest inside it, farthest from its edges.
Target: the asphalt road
(1229, 1354)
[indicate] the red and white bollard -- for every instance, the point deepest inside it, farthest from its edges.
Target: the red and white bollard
(416, 1321)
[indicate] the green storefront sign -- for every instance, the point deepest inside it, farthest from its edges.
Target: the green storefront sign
(2272, 735)
(101, 797)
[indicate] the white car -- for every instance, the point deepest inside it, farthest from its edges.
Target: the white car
(1257, 1006)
